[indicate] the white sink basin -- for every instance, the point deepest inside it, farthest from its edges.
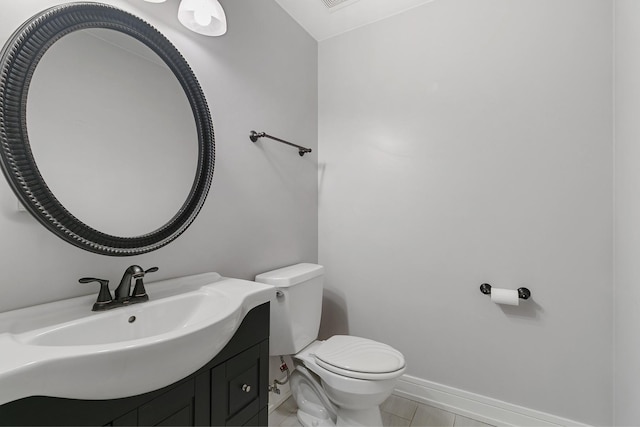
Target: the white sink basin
(63, 349)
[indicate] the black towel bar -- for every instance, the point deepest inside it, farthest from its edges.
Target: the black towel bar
(254, 136)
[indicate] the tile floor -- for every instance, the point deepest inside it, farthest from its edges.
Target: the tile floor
(396, 412)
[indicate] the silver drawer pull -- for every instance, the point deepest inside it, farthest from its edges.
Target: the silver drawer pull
(246, 388)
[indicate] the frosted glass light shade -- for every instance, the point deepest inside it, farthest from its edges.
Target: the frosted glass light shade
(205, 17)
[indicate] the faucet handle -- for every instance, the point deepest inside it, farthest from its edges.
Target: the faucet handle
(104, 296)
(139, 290)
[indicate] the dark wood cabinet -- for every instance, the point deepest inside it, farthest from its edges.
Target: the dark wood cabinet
(176, 407)
(236, 386)
(129, 419)
(229, 390)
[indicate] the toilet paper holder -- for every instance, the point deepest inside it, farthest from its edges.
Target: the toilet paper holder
(523, 293)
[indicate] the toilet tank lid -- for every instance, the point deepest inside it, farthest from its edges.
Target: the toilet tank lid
(292, 275)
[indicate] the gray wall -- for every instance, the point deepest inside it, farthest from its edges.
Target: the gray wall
(262, 209)
(465, 142)
(627, 208)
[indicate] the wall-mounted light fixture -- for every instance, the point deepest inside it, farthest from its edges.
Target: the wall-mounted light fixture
(205, 17)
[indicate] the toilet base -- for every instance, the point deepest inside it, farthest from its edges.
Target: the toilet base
(316, 410)
(334, 400)
(314, 407)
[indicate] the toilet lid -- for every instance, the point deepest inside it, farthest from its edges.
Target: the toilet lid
(359, 357)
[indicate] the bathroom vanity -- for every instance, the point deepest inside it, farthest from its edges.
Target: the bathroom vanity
(229, 390)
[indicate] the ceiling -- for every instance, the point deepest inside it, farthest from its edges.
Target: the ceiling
(323, 22)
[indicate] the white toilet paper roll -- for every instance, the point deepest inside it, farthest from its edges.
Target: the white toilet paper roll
(504, 296)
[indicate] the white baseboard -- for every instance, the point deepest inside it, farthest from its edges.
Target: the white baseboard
(476, 406)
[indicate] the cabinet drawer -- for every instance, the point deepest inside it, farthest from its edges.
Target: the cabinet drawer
(243, 388)
(236, 384)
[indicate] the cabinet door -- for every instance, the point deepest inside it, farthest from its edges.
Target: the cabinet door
(174, 408)
(236, 388)
(130, 419)
(262, 419)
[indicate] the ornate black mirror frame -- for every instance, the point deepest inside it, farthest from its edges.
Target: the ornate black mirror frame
(18, 61)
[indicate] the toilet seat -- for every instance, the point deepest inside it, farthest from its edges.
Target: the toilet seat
(359, 358)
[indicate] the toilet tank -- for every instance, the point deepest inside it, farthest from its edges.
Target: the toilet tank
(295, 307)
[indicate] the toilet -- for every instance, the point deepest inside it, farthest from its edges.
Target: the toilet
(338, 382)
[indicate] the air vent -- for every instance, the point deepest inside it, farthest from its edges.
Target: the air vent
(334, 3)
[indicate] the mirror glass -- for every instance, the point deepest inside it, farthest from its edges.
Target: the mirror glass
(112, 132)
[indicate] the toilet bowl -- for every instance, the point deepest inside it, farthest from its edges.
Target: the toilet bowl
(356, 375)
(340, 381)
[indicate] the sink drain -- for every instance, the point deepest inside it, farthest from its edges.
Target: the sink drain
(132, 319)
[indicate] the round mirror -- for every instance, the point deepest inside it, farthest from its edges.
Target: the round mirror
(106, 135)
(114, 137)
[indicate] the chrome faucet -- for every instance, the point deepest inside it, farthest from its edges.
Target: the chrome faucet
(123, 291)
